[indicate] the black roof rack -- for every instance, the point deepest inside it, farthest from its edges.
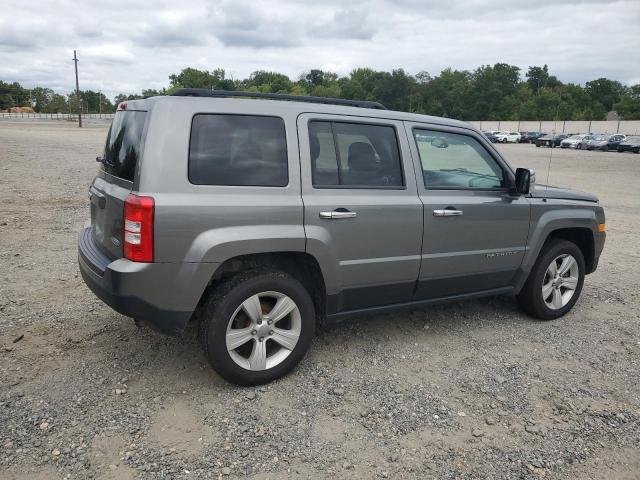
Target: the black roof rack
(203, 92)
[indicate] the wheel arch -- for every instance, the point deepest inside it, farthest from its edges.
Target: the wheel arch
(583, 238)
(579, 226)
(301, 265)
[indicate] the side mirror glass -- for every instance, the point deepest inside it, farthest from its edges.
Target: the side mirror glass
(525, 181)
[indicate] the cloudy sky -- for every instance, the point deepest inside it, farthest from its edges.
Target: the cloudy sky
(127, 45)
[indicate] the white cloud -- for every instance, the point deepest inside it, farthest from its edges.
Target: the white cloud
(128, 45)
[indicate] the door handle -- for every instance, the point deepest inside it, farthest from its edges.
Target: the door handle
(447, 212)
(337, 214)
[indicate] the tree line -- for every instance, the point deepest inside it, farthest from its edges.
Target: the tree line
(490, 92)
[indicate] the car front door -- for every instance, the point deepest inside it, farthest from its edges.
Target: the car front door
(362, 214)
(475, 231)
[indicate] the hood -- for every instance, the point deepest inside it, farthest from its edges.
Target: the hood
(549, 191)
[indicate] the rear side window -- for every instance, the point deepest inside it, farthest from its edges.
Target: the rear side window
(354, 155)
(123, 148)
(241, 150)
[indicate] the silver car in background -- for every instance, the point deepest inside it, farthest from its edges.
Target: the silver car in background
(604, 142)
(574, 141)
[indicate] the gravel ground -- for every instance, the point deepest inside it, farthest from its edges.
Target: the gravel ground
(467, 390)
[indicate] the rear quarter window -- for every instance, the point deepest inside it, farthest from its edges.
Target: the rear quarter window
(124, 144)
(238, 150)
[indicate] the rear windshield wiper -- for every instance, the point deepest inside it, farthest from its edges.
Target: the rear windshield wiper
(103, 160)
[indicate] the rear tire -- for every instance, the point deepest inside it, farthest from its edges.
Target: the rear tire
(532, 296)
(227, 312)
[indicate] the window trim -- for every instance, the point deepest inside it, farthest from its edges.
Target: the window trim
(506, 172)
(331, 122)
(231, 114)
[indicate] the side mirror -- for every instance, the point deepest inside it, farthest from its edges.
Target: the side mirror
(525, 181)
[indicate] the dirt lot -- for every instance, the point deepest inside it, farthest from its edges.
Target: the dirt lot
(468, 390)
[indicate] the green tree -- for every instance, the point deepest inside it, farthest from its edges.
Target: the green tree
(57, 104)
(269, 82)
(13, 95)
(629, 105)
(41, 98)
(194, 78)
(539, 77)
(606, 92)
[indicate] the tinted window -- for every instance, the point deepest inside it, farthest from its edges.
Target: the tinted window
(238, 150)
(122, 150)
(354, 155)
(451, 160)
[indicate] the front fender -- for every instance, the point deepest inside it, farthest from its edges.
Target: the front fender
(547, 217)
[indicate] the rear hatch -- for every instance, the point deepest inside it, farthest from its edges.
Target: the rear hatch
(115, 179)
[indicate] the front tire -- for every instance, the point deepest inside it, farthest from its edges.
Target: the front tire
(555, 282)
(257, 326)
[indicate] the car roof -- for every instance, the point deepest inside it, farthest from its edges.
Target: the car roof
(274, 107)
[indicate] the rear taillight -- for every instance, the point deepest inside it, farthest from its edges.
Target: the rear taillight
(138, 228)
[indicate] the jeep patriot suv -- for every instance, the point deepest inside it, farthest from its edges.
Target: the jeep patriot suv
(262, 216)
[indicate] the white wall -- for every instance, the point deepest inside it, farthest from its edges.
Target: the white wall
(628, 127)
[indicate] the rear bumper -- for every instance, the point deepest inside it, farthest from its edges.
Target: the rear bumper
(163, 295)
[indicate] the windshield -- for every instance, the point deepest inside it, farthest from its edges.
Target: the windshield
(576, 137)
(123, 148)
(632, 138)
(600, 138)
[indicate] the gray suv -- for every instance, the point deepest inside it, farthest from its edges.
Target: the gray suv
(265, 217)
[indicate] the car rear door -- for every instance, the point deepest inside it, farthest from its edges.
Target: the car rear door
(475, 231)
(363, 218)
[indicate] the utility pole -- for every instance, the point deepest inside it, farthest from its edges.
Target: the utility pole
(75, 60)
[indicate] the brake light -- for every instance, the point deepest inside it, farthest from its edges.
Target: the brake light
(122, 106)
(138, 228)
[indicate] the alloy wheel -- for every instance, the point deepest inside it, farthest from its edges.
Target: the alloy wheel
(263, 331)
(560, 281)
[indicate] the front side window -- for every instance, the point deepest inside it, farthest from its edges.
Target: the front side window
(451, 160)
(354, 155)
(238, 150)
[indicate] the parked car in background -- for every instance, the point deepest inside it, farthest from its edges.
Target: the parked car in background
(490, 136)
(530, 137)
(551, 140)
(604, 142)
(510, 137)
(630, 144)
(573, 141)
